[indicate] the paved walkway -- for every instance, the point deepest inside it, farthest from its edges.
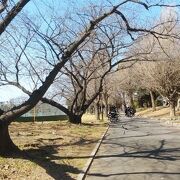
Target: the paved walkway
(147, 150)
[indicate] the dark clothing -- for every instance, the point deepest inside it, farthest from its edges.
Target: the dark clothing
(130, 111)
(113, 114)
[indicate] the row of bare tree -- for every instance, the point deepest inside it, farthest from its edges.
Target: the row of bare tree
(65, 57)
(157, 69)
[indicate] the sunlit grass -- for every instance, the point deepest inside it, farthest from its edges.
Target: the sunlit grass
(161, 112)
(53, 148)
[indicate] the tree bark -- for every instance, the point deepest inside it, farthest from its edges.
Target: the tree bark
(172, 104)
(6, 144)
(102, 113)
(106, 109)
(106, 105)
(178, 104)
(152, 100)
(124, 105)
(75, 119)
(97, 111)
(12, 14)
(130, 94)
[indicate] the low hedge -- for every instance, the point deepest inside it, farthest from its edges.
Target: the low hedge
(42, 118)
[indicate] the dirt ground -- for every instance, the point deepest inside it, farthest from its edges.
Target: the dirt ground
(51, 150)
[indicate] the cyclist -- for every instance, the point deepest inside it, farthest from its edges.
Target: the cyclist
(113, 114)
(130, 111)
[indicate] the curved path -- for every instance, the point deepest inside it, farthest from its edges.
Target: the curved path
(138, 149)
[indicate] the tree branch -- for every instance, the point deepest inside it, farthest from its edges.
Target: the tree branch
(12, 14)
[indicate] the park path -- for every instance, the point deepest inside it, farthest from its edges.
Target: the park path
(138, 149)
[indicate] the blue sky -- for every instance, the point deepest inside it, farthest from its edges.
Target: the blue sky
(62, 7)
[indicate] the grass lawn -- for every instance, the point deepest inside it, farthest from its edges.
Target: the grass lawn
(53, 150)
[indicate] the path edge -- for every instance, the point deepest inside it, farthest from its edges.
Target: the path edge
(83, 174)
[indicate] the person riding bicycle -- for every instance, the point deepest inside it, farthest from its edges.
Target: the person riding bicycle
(113, 114)
(130, 111)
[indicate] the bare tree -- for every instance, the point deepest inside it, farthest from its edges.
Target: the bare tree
(162, 74)
(9, 14)
(91, 63)
(62, 57)
(167, 78)
(78, 102)
(63, 52)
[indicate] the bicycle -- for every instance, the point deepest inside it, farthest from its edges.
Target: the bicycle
(113, 117)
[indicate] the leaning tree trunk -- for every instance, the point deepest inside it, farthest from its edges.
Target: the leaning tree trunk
(75, 119)
(172, 104)
(152, 100)
(6, 144)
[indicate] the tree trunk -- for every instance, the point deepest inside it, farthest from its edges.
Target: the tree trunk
(106, 106)
(131, 100)
(97, 111)
(106, 109)
(172, 104)
(102, 113)
(106, 98)
(75, 119)
(152, 100)
(178, 104)
(124, 102)
(6, 144)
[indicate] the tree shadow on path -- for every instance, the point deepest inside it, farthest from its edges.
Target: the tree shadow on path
(164, 155)
(134, 173)
(160, 153)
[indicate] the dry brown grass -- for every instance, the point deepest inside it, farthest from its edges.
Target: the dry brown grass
(54, 150)
(161, 112)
